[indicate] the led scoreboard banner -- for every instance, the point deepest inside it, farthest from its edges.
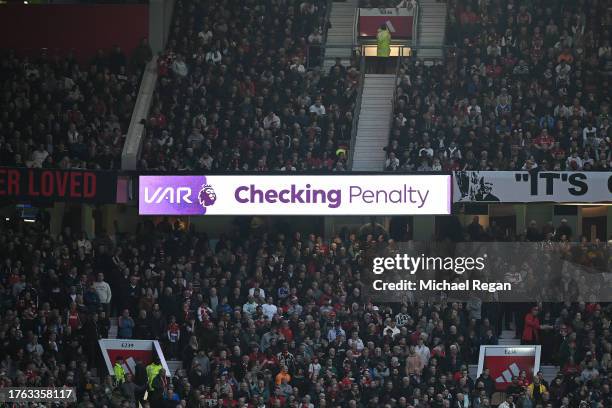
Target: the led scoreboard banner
(23, 184)
(295, 195)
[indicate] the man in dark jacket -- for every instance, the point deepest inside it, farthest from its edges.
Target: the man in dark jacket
(140, 374)
(142, 328)
(159, 386)
(130, 390)
(91, 336)
(91, 299)
(564, 229)
(487, 381)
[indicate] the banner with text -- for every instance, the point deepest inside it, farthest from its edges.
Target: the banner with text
(398, 21)
(86, 186)
(523, 186)
(295, 195)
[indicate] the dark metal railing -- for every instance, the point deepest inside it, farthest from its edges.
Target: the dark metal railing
(356, 111)
(398, 64)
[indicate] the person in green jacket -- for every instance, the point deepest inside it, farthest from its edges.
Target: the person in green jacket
(152, 370)
(119, 371)
(383, 48)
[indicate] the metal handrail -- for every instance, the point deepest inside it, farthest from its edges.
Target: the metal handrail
(326, 28)
(355, 25)
(394, 97)
(356, 111)
(323, 48)
(417, 38)
(416, 24)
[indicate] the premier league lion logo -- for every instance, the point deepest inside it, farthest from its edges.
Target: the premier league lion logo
(207, 196)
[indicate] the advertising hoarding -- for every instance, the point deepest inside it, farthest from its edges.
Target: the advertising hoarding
(23, 184)
(506, 362)
(131, 351)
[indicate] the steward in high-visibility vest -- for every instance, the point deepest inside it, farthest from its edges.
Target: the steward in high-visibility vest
(383, 39)
(152, 371)
(119, 371)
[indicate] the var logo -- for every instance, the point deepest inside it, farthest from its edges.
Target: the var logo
(171, 195)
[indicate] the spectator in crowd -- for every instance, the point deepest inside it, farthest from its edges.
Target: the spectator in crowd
(141, 55)
(104, 292)
(508, 402)
(125, 325)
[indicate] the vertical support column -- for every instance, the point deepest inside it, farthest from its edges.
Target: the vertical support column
(88, 224)
(609, 223)
(521, 218)
(108, 216)
(156, 25)
(160, 16)
(57, 218)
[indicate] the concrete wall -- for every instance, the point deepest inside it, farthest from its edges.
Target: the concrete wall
(80, 28)
(160, 20)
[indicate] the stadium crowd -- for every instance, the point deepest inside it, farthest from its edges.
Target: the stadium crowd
(58, 113)
(236, 91)
(267, 317)
(525, 85)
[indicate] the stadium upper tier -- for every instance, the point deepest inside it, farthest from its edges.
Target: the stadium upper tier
(234, 92)
(521, 87)
(59, 113)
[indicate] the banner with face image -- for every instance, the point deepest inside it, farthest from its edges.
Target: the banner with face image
(528, 187)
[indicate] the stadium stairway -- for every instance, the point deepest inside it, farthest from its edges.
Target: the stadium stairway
(340, 35)
(174, 365)
(432, 28)
(112, 331)
(507, 338)
(374, 122)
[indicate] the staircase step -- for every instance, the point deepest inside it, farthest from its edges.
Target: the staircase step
(174, 365)
(507, 334)
(374, 122)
